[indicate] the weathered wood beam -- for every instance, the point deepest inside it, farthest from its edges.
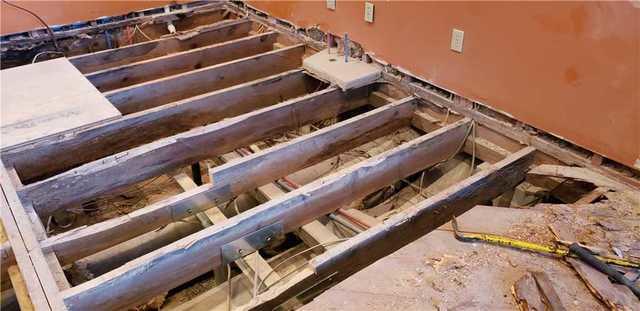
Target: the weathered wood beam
(232, 179)
(144, 277)
(155, 68)
(143, 162)
(484, 149)
(401, 229)
(516, 133)
(48, 157)
(223, 31)
(30, 259)
(177, 87)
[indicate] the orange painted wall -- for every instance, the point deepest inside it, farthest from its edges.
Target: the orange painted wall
(570, 68)
(66, 12)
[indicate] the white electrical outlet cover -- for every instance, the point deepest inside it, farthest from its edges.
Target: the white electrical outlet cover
(457, 38)
(368, 12)
(331, 4)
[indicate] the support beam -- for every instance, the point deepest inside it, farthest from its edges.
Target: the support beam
(144, 277)
(155, 68)
(224, 31)
(138, 164)
(234, 178)
(347, 258)
(181, 86)
(31, 261)
(58, 153)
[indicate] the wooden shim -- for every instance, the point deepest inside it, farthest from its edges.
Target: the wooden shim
(143, 162)
(151, 69)
(29, 257)
(173, 88)
(140, 279)
(409, 225)
(145, 50)
(62, 152)
(578, 173)
(232, 179)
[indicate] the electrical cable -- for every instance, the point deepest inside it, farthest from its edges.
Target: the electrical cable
(53, 37)
(308, 249)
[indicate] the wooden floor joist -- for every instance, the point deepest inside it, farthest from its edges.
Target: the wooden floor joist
(234, 178)
(224, 31)
(227, 80)
(59, 153)
(139, 279)
(137, 164)
(364, 249)
(154, 93)
(155, 68)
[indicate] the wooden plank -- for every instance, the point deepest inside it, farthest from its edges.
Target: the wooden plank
(232, 179)
(525, 291)
(62, 152)
(146, 276)
(548, 291)
(155, 68)
(578, 173)
(29, 257)
(173, 88)
(140, 163)
(215, 33)
(343, 260)
(20, 288)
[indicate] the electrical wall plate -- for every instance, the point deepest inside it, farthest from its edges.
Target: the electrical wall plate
(331, 4)
(457, 39)
(368, 12)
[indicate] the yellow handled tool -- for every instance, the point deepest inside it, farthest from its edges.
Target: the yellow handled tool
(556, 249)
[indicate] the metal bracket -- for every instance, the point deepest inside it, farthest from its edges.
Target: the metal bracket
(250, 243)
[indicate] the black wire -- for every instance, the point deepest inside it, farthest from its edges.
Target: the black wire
(53, 37)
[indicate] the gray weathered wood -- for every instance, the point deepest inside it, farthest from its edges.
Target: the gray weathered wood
(151, 69)
(39, 280)
(343, 260)
(219, 32)
(144, 277)
(62, 152)
(143, 162)
(234, 178)
(172, 88)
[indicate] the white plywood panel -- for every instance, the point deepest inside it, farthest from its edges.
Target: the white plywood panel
(45, 99)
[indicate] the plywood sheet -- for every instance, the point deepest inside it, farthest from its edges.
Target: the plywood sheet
(45, 99)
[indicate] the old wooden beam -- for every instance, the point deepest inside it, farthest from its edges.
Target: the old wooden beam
(58, 153)
(143, 162)
(154, 93)
(401, 229)
(232, 179)
(155, 68)
(30, 259)
(224, 31)
(140, 279)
